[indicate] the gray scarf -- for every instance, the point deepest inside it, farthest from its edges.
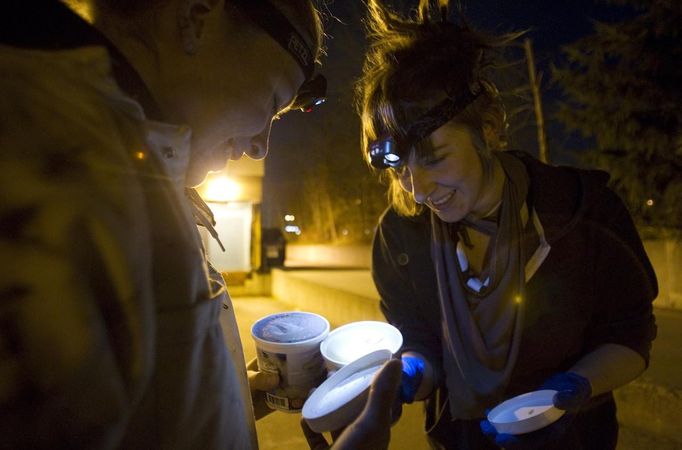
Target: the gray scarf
(482, 330)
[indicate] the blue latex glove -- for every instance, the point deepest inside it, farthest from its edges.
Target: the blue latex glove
(573, 391)
(413, 373)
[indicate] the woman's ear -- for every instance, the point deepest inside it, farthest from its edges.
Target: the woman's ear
(494, 130)
(490, 136)
(192, 15)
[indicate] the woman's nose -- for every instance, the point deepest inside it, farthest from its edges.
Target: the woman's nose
(422, 186)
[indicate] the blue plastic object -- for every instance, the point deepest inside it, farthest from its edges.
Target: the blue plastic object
(413, 373)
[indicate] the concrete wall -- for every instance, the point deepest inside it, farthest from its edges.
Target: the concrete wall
(343, 298)
(666, 257)
(356, 256)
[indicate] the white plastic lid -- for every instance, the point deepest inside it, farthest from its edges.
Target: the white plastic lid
(289, 328)
(340, 399)
(356, 339)
(525, 413)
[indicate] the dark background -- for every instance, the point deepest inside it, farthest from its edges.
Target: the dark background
(315, 166)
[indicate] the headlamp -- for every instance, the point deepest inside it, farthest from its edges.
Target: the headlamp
(387, 152)
(383, 153)
(313, 91)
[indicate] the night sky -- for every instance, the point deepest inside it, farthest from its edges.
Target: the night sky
(551, 23)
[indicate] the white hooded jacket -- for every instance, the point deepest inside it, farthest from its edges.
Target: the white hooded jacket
(110, 333)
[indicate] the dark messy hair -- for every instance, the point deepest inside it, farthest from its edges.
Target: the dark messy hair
(415, 62)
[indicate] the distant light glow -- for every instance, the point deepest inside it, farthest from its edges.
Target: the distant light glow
(650, 202)
(140, 155)
(292, 229)
(517, 299)
(222, 189)
(289, 218)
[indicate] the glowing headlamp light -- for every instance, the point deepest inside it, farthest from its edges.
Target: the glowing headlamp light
(387, 152)
(383, 153)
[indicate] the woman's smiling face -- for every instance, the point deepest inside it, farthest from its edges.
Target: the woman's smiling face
(450, 180)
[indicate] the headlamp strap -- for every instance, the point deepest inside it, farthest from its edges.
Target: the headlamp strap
(441, 114)
(272, 21)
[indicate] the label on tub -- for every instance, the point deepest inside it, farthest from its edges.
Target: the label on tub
(299, 373)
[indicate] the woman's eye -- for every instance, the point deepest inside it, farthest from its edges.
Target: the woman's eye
(432, 161)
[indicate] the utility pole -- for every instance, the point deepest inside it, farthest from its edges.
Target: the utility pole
(537, 101)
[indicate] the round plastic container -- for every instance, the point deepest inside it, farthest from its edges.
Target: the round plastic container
(525, 413)
(288, 343)
(356, 339)
(340, 399)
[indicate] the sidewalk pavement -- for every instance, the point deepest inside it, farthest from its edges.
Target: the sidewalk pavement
(651, 404)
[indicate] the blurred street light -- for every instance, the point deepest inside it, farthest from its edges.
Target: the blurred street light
(222, 189)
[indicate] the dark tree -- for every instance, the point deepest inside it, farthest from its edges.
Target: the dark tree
(316, 169)
(623, 91)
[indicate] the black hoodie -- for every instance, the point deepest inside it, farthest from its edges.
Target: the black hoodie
(596, 285)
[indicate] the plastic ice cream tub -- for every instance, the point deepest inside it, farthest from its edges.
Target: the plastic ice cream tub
(288, 343)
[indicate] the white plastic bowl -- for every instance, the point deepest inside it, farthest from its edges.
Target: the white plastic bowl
(340, 399)
(525, 413)
(356, 339)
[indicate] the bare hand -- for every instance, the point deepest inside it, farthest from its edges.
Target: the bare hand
(372, 429)
(259, 382)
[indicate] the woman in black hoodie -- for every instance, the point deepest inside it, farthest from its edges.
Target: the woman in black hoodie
(505, 275)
